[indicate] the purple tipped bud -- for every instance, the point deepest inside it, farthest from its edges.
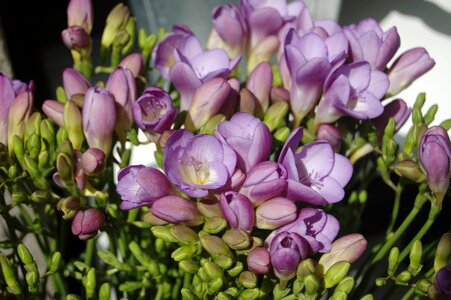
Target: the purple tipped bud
(75, 83)
(443, 282)
(248, 102)
(260, 84)
(435, 157)
(396, 109)
(347, 248)
(80, 13)
(76, 38)
(287, 250)
(55, 111)
(407, 68)
(19, 112)
(177, 210)
(331, 134)
(266, 180)
(92, 161)
(86, 223)
(259, 261)
(154, 111)
(275, 213)
(7, 96)
(99, 117)
(279, 93)
(142, 186)
(133, 62)
(237, 210)
(237, 179)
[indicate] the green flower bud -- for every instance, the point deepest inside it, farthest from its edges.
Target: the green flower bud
(423, 285)
(282, 134)
(403, 278)
(346, 285)
(210, 126)
(18, 147)
(130, 286)
(151, 219)
(298, 286)
(223, 296)
(339, 295)
(415, 258)
(113, 210)
(61, 136)
(116, 20)
(185, 252)
(248, 279)
(73, 124)
(389, 149)
(89, 281)
(9, 276)
(336, 273)
(34, 145)
(236, 270)
(417, 116)
(105, 291)
(13, 172)
(410, 170)
(43, 160)
(389, 130)
(215, 286)
(26, 257)
(215, 246)
(41, 196)
(33, 125)
(189, 266)
(232, 291)
(215, 225)
(393, 260)
(276, 114)
(446, 124)
(209, 209)
(237, 239)
(18, 195)
(184, 234)
(187, 294)
(65, 167)
(213, 270)
(130, 27)
(55, 263)
(31, 167)
(69, 207)
(430, 114)
(121, 38)
(367, 297)
(33, 280)
(381, 281)
(312, 284)
(223, 261)
(306, 267)
(443, 252)
(420, 100)
(163, 233)
(73, 297)
(249, 294)
(47, 133)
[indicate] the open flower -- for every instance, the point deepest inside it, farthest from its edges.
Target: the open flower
(197, 164)
(316, 174)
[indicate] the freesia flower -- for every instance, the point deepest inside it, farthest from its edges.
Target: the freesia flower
(237, 210)
(443, 282)
(398, 110)
(76, 38)
(259, 83)
(55, 111)
(75, 84)
(198, 164)
(133, 62)
(259, 260)
(86, 223)
(177, 210)
(19, 112)
(275, 212)
(316, 174)
(353, 90)
(249, 137)
(80, 13)
(331, 134)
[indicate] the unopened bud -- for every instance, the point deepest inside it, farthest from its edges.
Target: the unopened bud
(212, 124)
(189, 266)
(248, 279)
(184, 234)
(443, 252)
(105, 291)
(32, 278)
(403, 278)
(41, 196)
(306, 267)
(393, 260)
(163, 233)
(185, 252)
(73, 124)
(346, 285)
(215, 225)
(236, 270)
(215, 246)
(410, 170)
(92, 161)
(415, 258)
(250, 294)
(282, 134)
(312, 284)
(237, 239)
(336, 273)
(275, 116)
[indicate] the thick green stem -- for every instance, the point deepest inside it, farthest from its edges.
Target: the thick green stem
(89, 252)
(395, 211)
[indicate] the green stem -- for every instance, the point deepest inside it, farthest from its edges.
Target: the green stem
(408, 294)
(160, 292)
(433, 213)
(395, 211)
(58, 285)
(89, 252)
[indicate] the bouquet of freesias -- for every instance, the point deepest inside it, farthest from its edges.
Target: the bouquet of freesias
(266, 140)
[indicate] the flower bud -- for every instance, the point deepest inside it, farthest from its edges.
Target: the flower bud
(403, 278)
(76, 38)
(55, 111)
(237, 239)
(65, 167)
(92, 161)
(189, 266)
(247, 279)
(275, 213)
(104, 291)
(184, 234)
(215, 246)
(347, 248)
(250, 294)
(336, 273)
(116, 20)
(306, 267)
(26, 257)
(259, 83)
(41, 196)
(248, 102)
(410, 170)
(19, 112)
(331, 134)
(99, 117)
(75, 84)
(443, 252)
(237, 210)
(264, 181)
(73, 124)
(312, 284)
(442, 282)
(80, 13)
(34, 145)
(279, 94)
(164, 233)
(407, 68)
(86, 223)
(69, 207)
(209, 208)
(236, 270)
(207, 102)
(185, 252)
(133, 62)
(259, 261)
(177, 210)
(276, 115)
(287, 250)
(346, 285)
(214, 225)
(415, 258)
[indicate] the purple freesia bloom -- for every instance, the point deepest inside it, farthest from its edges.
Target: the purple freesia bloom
(140, 186)
(198, 164)
(398, 110)
(443, 282)
(181, 38)
(369, 42)
(318, 228)
(316, 174)
(248, 136)
(154, 111)
(237, 210)
(353, 90)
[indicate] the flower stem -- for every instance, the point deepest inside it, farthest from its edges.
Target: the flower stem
(89, 252)
(395, 211)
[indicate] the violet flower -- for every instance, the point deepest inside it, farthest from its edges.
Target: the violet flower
(198, 164)
(316, 174)
(92, 161)
(75, 84)
(133, 62)
(177, 210)
(237, 210)
(443, 282)
(76, 38)
(180, 38)
(190, 71)
(154, 111)
(55, 111)
(396, 109)
(260, 84)
(275, 212)
(80, 13)
(287, 250)
(99, 117)
(264, 181)
(353, 90)
(259, 260)
(407, 68)
(331, 134)
(86, 223)
(318, 228)
(370, 43)
(142, 186)
(249, 137)
(435, 157)
(19, 112)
